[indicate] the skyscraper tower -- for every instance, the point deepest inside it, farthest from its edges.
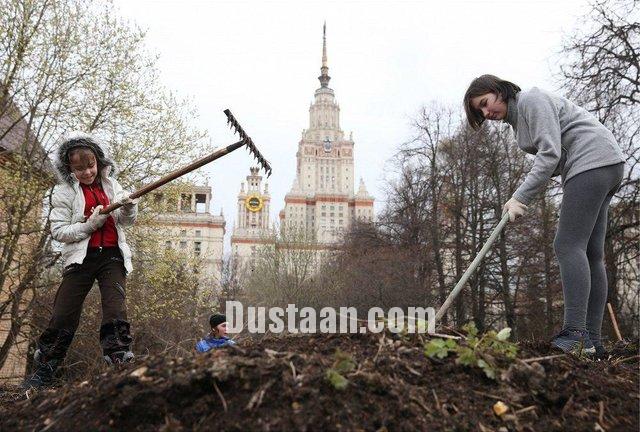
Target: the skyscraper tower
(322, 199)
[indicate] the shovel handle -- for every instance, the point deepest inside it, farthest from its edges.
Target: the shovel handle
(474, 265)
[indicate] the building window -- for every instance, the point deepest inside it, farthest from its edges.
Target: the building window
(201, 203)
(167, 244)
(183, 244)
(199, 233)
(197, 247)
(185, 203)
(183, 233)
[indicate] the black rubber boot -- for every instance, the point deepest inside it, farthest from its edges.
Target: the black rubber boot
(116, 342)
(43, 375)
(52, 348)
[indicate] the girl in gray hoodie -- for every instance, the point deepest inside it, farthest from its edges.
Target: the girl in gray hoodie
(568, 141)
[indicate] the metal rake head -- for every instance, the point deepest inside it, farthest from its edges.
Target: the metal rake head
(233, 124)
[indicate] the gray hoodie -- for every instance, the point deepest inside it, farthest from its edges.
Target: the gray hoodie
(565, 138)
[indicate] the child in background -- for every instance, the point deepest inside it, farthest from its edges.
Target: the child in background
(94, 248)
(217, 337)
(566, 140)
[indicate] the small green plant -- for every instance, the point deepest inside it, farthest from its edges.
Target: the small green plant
(342, 365)
(476, 350)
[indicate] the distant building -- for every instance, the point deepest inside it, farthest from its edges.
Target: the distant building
(253, 227)
(322, 200)
(192, 229)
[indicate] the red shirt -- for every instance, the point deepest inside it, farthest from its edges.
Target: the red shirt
(106, 236)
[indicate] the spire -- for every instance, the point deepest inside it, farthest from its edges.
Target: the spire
(324, 70)
(362, 190)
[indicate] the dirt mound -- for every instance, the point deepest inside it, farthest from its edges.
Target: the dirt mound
(300, 383)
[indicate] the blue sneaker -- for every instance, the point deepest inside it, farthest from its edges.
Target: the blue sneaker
(574, 342)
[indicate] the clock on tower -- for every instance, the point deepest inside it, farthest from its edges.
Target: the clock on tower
(327, 145)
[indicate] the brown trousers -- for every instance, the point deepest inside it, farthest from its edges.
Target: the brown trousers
(107, 267)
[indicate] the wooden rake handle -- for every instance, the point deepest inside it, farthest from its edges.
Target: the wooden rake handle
(474, 265)
(177, 173)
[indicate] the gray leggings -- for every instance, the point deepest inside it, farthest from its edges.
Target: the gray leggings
(579, 246)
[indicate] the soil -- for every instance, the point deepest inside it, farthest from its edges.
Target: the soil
(280, 383)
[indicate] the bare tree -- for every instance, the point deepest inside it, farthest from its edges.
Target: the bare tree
(65, 66)
(604, 66)
(601, 71)
(435, 123)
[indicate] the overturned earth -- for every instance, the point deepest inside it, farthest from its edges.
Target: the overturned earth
(286, 383)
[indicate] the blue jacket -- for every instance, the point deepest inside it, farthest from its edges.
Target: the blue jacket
(210, 342)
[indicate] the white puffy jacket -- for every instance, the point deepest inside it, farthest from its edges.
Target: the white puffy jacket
(67, 218)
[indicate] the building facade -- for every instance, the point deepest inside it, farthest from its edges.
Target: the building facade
(252, 226)
(188, 226)
(322, 201)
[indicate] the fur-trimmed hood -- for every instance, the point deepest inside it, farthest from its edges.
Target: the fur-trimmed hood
(80, 139)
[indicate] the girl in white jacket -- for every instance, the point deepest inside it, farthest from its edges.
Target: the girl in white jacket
(94, 248)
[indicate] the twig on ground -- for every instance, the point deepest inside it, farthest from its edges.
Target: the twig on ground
(537, 359)
(601, 413)
(622, 360)
(567, 406)
(446, 336)
(224, 402)
(293, 371)
(413, 371)
(420, 404)
(451, 329)
(436, 398)
(380, 345)
(524, 410)
(256, 399)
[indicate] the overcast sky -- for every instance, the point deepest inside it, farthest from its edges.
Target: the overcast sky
(387, 58)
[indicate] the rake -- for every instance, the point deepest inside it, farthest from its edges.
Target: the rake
(474, 265)
(245, 140)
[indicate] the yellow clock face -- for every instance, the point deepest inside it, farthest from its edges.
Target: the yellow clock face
(253, 203)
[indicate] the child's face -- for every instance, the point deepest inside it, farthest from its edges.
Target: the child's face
(490, 105)
(221, 330)
(84, 165)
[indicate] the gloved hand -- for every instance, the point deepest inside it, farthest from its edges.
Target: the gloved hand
(128, 203)
(96, 220)
(515, 209)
